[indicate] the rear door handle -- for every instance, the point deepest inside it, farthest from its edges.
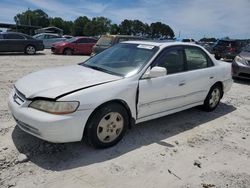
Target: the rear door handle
(211, 77)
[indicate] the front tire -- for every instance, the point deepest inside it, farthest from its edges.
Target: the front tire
(67, 51)
(30, 50)
(106, 126)
(213, 98)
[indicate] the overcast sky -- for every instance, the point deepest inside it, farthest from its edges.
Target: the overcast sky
(192, 18)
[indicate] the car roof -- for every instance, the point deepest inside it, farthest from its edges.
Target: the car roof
(161, 44)
(54, 34)
(127, 36)
(83, 37)
(13, 33)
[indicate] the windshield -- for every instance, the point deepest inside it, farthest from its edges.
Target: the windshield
(247, 48)
(73, 39)
(105, 41)
(122, 59)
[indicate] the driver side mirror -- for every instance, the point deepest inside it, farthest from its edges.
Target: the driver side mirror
(155, 72)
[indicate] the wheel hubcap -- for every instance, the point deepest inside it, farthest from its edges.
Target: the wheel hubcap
(30, 50)
(215, 97)
(110, 127)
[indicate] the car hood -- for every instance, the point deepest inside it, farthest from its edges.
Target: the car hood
(51, 83)
(245, 55)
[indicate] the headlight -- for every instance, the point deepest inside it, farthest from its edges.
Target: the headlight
(55, 107)
(241, 60)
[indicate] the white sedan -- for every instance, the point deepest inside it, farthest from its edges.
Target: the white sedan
(129, 83)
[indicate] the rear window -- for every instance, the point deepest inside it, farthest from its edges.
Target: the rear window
(1, 36)
(105, 41)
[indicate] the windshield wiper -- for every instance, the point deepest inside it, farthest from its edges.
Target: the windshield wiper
(101, 69)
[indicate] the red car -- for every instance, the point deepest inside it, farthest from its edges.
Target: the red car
(75, 45)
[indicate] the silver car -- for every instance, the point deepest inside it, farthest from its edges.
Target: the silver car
(49, 38)
(241, 64)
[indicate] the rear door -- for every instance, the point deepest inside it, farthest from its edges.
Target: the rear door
(14, 42)
(84, 46)
(200, 74)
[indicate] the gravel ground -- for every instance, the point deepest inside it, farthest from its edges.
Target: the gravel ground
(187, 149)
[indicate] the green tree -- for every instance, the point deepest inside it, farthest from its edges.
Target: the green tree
(126, 27)
(114, 29)
(79, 26)
(33, 17)
(162, 30)
(97, 26)
(66, 26)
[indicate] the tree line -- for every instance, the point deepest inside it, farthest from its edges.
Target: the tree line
(84, 26)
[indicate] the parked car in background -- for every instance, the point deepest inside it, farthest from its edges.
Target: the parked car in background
(188, 40)
(241, 64)
(75, 45)
(207, 45)
(106, 41)
(67, 36)
(19, 42)
(227, 48)
(129, 83)
(49, 38)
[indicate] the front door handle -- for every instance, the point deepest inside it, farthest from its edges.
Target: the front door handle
(211, 77)
(182, 84)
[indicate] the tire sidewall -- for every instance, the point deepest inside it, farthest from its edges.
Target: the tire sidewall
(93, 122)
(206, 105)
(67, 49)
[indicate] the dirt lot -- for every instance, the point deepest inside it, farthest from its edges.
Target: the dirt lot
(188, 149)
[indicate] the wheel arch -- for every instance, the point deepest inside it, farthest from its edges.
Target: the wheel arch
(117, 101)
(221, 86)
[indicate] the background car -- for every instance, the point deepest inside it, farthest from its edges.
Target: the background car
(241, 64)
(19, 42)
(76, 45)
(106, 41)
(227, 48)
(49, 38)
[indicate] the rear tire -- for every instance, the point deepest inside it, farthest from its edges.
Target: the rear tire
(213, 98)
(67, 51)
(30, 50)
(106, 126)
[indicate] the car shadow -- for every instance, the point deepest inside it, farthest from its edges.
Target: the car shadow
(58, 157)
(242, 81)
(19, 54)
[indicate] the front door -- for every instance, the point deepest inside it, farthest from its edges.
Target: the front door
(162, 94)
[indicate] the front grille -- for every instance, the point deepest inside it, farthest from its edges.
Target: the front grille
(18, 97)
(27, 127)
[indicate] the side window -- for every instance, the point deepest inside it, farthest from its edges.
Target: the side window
(197, 58)
(13, 36)
(82, 41)
(40, 37)
(90, 40)
(172, 60)
(52, 36)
